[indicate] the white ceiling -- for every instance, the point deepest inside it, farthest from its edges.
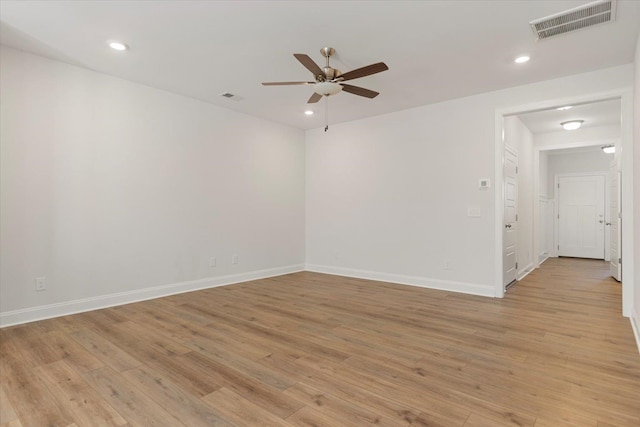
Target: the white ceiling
(435, 50)
(595, 114)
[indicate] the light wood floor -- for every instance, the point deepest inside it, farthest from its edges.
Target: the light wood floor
(309, 349)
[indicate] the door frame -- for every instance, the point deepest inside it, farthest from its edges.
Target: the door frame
(626, 145)
(556, 209)
(615, 165)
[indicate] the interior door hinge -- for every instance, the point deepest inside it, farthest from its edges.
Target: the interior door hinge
(620, 261)
(558, 185)
(558, 247)
(516, 217)
(516, 169)
(516, 265)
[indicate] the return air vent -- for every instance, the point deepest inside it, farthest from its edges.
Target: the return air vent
(585, 16)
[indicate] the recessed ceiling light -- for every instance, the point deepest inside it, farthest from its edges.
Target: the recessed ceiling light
(309, 113)
(572, 125)
(115, 45)
(521, 59)
(566, 107)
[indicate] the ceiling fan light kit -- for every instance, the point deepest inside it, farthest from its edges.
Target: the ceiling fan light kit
(327, 88)
(329, 80)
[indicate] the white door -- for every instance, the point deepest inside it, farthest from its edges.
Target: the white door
(510, 230)
(581, 216)
(614, 263)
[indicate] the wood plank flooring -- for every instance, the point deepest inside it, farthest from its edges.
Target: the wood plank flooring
(308, 349)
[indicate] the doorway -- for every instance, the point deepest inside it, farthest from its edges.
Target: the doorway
(542, 200)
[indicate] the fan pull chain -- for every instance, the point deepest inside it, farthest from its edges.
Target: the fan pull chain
(326, 113)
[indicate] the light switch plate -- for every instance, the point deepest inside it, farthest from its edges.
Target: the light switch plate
(473, 212)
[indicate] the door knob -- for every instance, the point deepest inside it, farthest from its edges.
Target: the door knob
(607, 223)
(507, 226)
(601, 221)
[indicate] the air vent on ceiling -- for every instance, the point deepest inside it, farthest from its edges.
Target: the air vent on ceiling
(598, 12)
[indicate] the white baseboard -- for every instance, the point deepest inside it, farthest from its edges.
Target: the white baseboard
(543, 256)
(635, 325)
(423, 282)
(42, 312)
(523, 273)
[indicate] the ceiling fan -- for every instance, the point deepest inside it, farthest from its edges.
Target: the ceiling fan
(328, 80)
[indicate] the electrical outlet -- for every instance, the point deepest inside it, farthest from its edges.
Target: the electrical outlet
(212, 262)
(41, 283)
(234, 259)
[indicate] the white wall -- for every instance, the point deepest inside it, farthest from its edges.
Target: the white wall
(387, 196)
(112, 189)
(578, 162)
(116, 191)
(520, 138)
(635, 310)
(546, 186)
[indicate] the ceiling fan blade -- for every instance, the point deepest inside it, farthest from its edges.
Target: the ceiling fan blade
(286, 83)
(364, 71)
(309, 64)
(314, 98)
(357, 90)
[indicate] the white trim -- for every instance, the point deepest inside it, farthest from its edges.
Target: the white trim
(419, 281)
(48, 311)
(627, 166)
(627, 203)
(576, 144)
(635, 325)
(525, 272)
(498, 290)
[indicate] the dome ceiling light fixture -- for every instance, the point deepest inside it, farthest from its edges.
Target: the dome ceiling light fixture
(572, 124)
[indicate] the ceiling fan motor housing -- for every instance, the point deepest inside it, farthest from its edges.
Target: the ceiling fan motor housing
(331, 73)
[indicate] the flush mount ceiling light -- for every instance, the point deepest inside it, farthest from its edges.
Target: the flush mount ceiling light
(572, 124)
(566, 107)
(521, 59)
(116, 45)
(309, 113)
(609, 149)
